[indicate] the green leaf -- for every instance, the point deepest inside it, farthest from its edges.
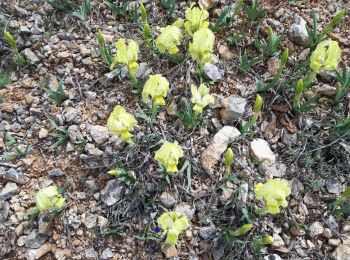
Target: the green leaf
(242, 230)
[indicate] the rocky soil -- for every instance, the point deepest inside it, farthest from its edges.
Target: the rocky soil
(106, 218)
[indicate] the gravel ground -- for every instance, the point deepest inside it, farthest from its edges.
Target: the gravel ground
(107, 218)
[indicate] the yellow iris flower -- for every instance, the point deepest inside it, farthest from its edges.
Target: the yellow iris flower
(196, 18)
(169, 38)
(172, 224)
(201, 98)
(126, 55)
(168, 155)
(202, 45)
(274, 192)
(48, 198)
(120, 123)
(326, 56)
(157, 88)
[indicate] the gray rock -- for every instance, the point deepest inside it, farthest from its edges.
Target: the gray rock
(327, 233)
(272, 257)
(342, 252)
(33, 254)
(298, 32)
(90, 221)
(90, 254)
(334, 187)
(185, 210)
(311, 199)
(316, 229)
(4, 210)
(168, 199)
(346, 227)
(212, 72)
(218, 250)
(45, 223)
(35, 239)
(243, 192)
(217, 147)
(99, 133)
(112, 192)
(13, 175)
(9, 190)
(144, 71)
(30, 56)
(208, 4)
(56, 172)
(275, 170)
(262, 152)
(74, 221)
(74, 133)
(232, 109)
(106, 254)
(277, 241)
(208, 232)
(24, 29)
(327, 75)
(71, 114)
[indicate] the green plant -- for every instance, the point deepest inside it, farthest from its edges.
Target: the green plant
(169, 5)
(60, 134)
(123, 176)
(259, 242)
(245, 62)
(5, 79)
(344, 77)
(257, 111)
(84, 10)
(229, 159)
(299, 89)
(187, 115)
(19, 59)
(226, 16)
(254, 11)
(261, 87)
(314, 37)
(237, 38)
(147, 33)
(272, 44)
(58, 95)
(17, 153)
(341, 205)
(105, 49)
(124, 11)
(64, 5)
(342, 127)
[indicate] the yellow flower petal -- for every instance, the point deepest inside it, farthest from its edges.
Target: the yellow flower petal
(48, 198)
(274, 192)
(168, 155)
(326, 56)
(121, 122)
(156, 88)
(202, 45)
(172, 224)
(196, 18)
(201, 97)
